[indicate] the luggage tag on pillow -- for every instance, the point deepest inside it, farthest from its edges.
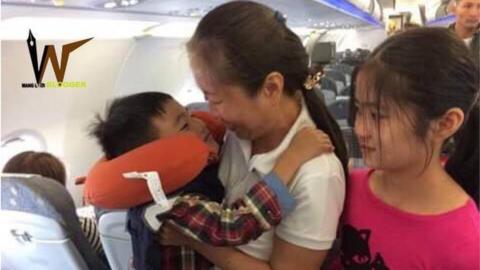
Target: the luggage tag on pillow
(162, 203)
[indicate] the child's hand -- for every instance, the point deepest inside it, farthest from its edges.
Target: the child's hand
(308, 143)
(169, 235)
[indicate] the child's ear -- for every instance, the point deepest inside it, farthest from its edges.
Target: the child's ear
(449, 123)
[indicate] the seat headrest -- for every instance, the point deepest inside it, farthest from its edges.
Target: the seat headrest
(34, 194)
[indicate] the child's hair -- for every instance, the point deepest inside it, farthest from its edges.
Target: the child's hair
(127, 123)
(429, 71)
(41, 163)
(241, 42)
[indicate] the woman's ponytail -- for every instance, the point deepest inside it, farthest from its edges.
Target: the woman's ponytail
(326, 122)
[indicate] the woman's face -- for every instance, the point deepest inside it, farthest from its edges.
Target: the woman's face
(247, 116)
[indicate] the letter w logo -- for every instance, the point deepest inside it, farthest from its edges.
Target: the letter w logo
(49, 53)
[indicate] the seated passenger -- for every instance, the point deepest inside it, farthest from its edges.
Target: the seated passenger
(47, 165)
(135, 123)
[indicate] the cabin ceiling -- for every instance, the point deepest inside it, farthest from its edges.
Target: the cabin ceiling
(393, 4)
(387, 3)
(300, 13)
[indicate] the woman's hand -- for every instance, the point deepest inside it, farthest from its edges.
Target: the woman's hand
(307, 144)
(169, 235)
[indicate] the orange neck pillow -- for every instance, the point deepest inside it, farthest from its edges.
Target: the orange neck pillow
(177, 159)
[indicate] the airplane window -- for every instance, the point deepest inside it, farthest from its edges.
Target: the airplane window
(20, 141)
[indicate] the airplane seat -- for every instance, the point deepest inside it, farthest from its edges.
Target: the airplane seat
(336, 75)
(352, 142)
(346, 91)
(344, 68)
(318, 92)
(349, 79)
(198, 106)
(338, 56)
(339, 109)
(353, 147)
(328, 96)
(340, 86)
(328, 83)
(116, 240)
(40, 228)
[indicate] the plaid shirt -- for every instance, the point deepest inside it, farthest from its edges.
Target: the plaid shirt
(220, 225)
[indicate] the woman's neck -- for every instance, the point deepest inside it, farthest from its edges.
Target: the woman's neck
(428, 191)
(279, 127)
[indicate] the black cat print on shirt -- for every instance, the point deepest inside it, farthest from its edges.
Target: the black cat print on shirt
(355, 253)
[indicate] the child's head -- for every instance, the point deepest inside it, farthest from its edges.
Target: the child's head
(41, 163)
(415, 91)
(138, 119)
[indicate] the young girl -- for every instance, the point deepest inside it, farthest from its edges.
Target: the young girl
(415, 91)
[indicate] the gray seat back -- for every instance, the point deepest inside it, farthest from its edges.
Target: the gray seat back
(40, 227)
(329, 96)
(340, 108)
(116, 240)
(328, 83)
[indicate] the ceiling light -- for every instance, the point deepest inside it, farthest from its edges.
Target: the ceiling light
(173, 29)
(58, 3)
(71, 28)
(110, 5)
(302, 31)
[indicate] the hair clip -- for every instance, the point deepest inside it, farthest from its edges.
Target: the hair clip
(312, 80)
(280, 17)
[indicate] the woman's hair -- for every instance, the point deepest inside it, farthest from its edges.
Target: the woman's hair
(41, 163)
(242, 42)
(429, 71)
(128, 122)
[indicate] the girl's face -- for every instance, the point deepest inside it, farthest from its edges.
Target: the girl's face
(385, 135)
(247, 116)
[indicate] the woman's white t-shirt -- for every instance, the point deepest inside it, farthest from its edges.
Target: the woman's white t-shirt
(318, 189)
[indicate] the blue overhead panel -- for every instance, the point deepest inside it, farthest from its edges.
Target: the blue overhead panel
(309, 14)
(439, 12)
(350, 9)
(442, 21)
